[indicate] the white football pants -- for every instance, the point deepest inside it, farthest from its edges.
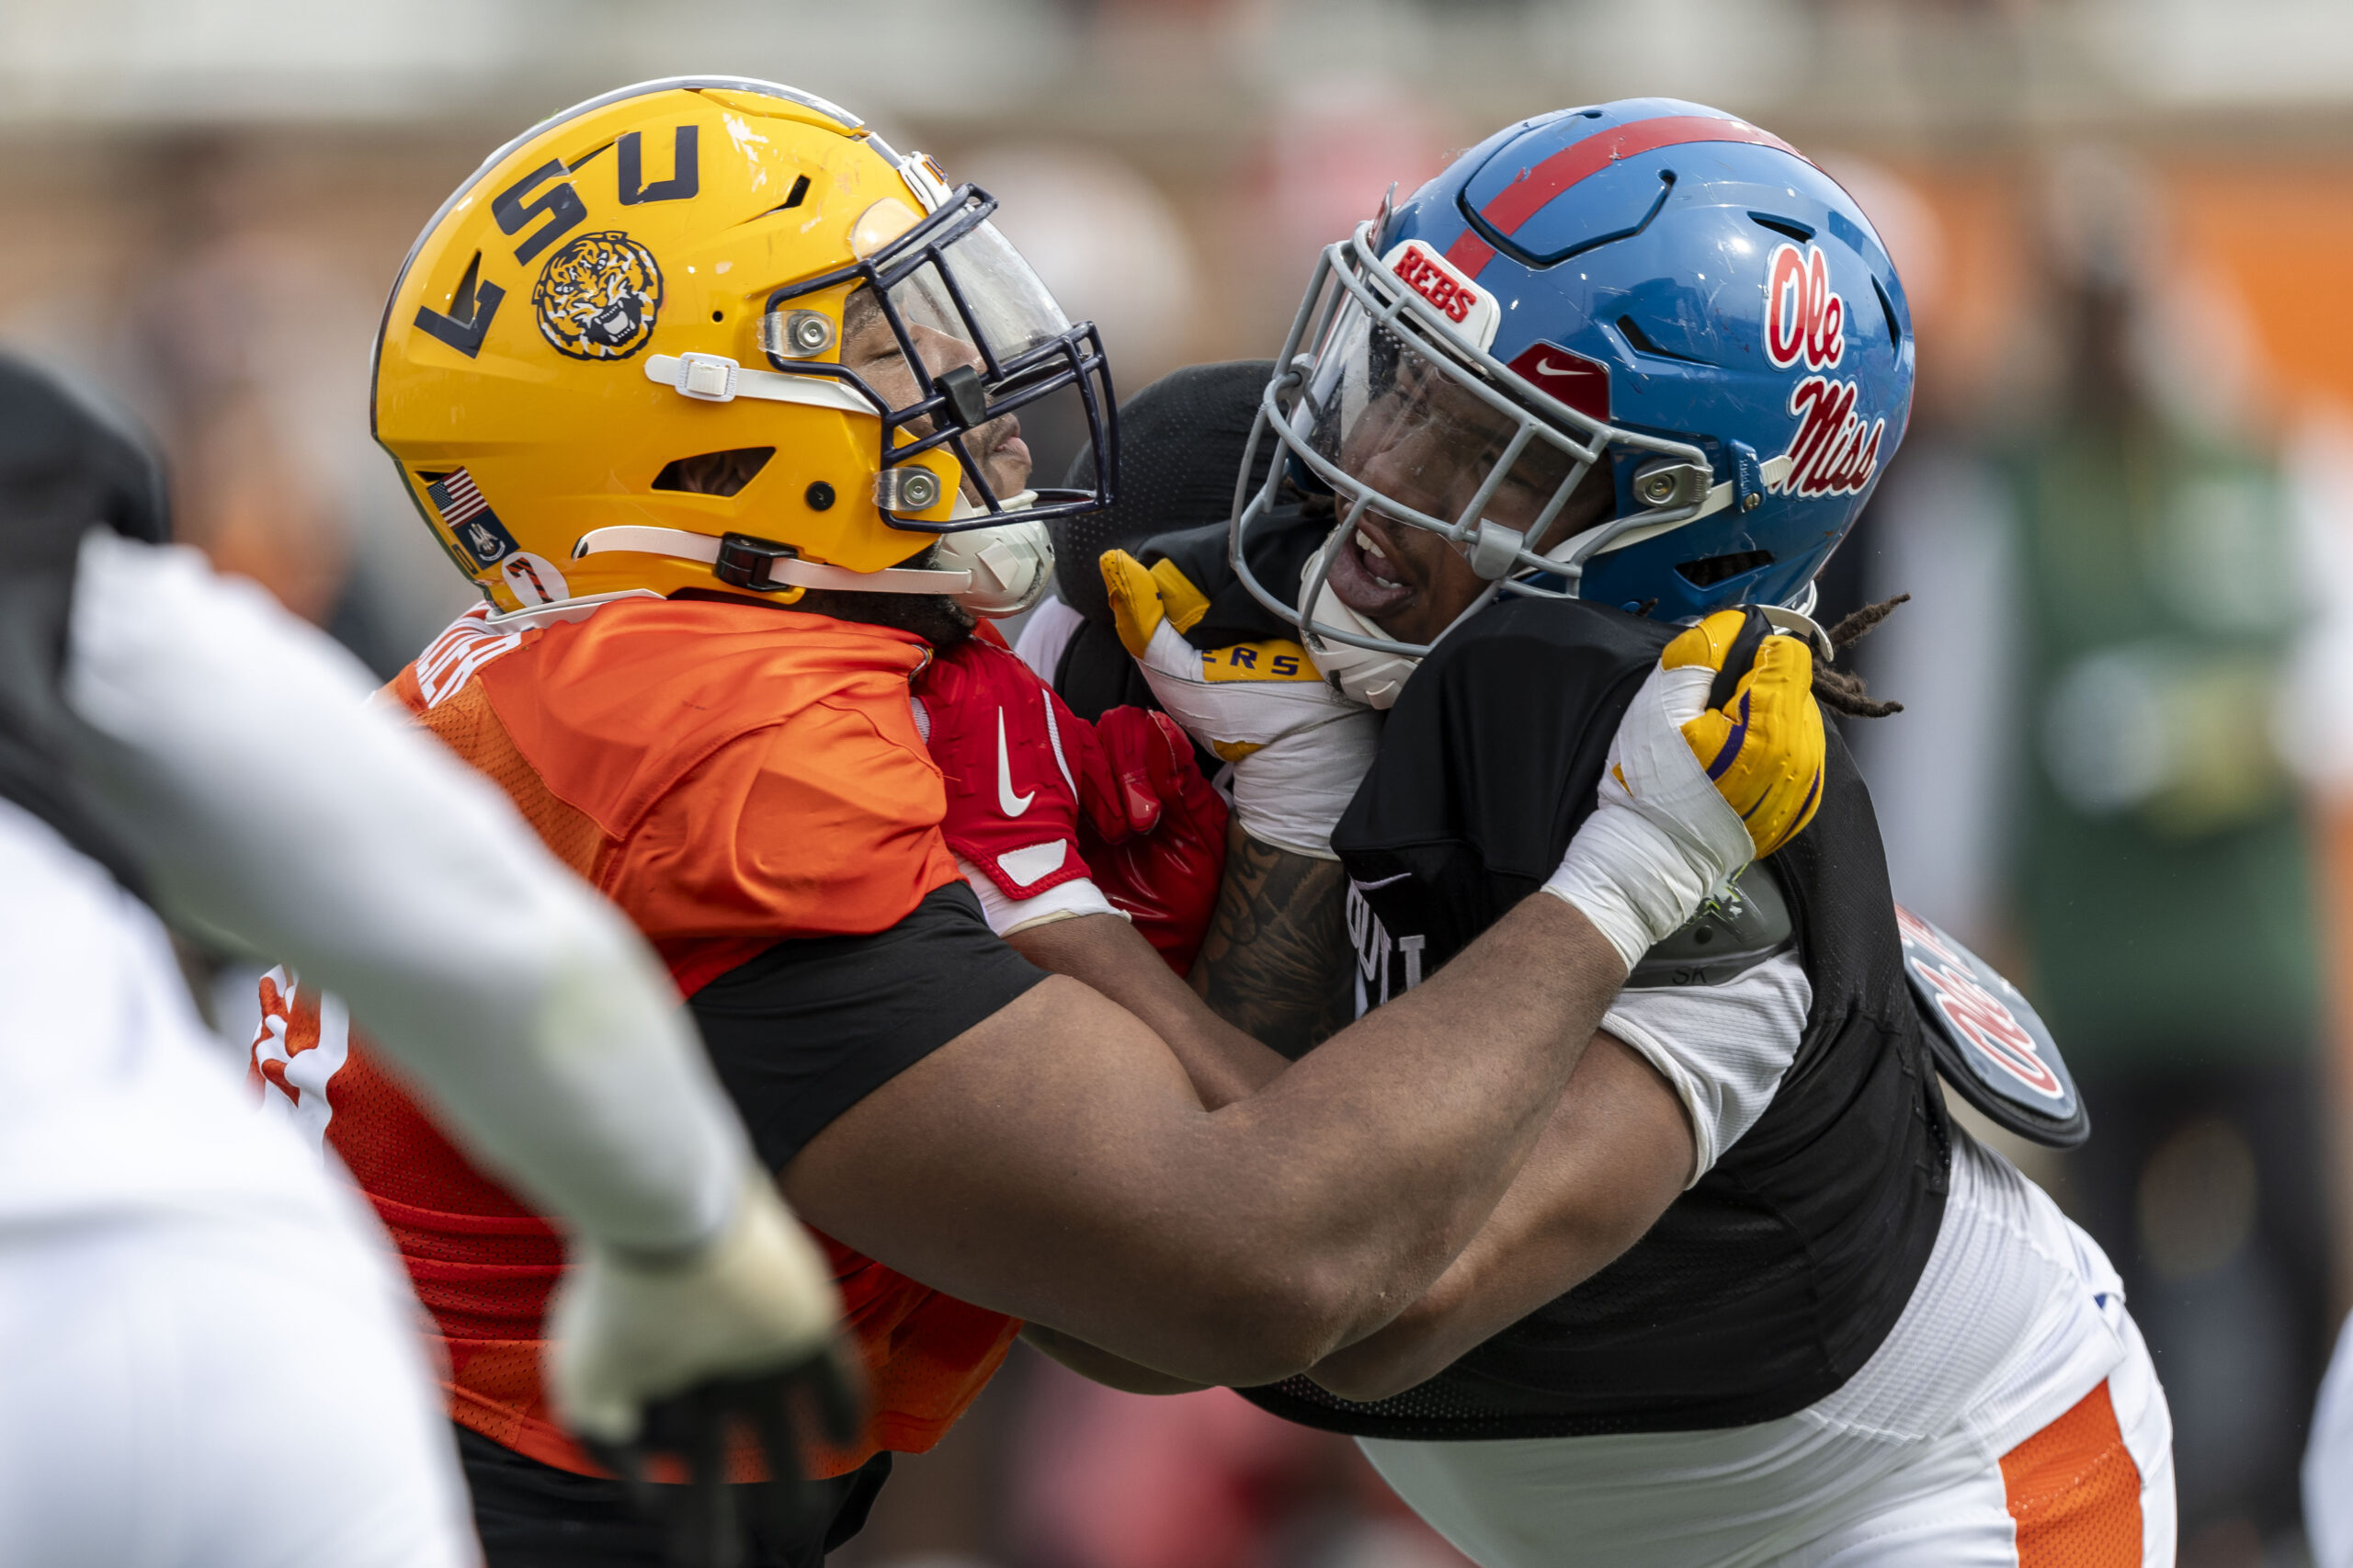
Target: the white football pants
(2092, 1489)
(1960, 1508)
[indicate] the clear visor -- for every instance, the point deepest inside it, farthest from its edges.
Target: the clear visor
(1010, 313)
(948, 333)
(1426, 439)
(971, 302)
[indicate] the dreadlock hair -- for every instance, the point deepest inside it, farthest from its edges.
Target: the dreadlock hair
(1843, 691)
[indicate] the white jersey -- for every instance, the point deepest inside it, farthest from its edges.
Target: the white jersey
(1045, 634)
(192, 1300)
(2017, 1317)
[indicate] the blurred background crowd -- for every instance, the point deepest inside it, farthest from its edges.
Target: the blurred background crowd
(2124, 513)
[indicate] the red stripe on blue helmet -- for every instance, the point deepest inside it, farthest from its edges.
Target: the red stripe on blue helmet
(1468, 253)
(1540, 184)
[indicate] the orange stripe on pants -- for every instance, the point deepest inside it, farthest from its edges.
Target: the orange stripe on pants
(2075, 1491)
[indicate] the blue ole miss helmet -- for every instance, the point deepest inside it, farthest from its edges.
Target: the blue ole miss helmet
(1651, 289)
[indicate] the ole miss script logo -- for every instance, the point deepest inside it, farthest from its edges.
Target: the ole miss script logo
(1980, 1017)
(1835, 450)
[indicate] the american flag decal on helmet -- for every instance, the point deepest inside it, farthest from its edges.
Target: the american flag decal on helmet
(467, 517)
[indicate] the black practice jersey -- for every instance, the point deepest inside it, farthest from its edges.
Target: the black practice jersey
(1769, 1283)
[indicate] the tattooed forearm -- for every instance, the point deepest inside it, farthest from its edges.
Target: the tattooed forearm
(1275, 963)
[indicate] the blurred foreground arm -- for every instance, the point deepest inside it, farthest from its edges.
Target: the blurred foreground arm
(275, 814)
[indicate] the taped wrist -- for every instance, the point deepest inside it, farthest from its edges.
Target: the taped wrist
(1063, 901)
(1630, 878)
(1654, 771)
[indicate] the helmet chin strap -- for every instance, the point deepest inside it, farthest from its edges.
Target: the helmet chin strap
(1796, 618)
(783, 571)
(995, 571)
(1011, 564)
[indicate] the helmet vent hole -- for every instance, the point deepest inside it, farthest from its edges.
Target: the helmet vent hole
(1894, 328)
(1707, 572)
(714, 473)
(1787, 227)
(1641, 343)
(792, 198)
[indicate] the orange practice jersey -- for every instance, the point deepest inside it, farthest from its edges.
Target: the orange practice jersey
(730, 774)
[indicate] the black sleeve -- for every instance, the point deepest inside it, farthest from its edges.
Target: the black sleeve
(64, 466)
(1097, 675)
(815, 1024)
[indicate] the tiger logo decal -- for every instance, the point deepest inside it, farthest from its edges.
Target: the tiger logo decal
(597, 296)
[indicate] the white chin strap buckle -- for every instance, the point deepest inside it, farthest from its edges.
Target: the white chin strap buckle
(1718, 499)
(993, 572)
(714, 378)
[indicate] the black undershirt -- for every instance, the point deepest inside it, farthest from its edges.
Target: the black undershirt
(815, 1024)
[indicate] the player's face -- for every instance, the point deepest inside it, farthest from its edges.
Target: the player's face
(1416, 438)
(872, 350)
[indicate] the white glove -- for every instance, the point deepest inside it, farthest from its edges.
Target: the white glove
(630, 1330)
(1298, 747)
(1692, 794)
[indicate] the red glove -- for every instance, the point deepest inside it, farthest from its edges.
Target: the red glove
(1163, 875)
(1021, 772)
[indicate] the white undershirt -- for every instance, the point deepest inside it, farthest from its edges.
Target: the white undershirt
(1046, 635)
(1722, 1047)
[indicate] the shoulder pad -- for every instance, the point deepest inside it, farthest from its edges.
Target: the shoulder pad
(1726, 940)
(1988, 1042)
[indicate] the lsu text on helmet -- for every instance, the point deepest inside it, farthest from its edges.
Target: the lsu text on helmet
(711, 331)
(1652, 293)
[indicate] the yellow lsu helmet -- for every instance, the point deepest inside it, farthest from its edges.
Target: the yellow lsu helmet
(713, 333)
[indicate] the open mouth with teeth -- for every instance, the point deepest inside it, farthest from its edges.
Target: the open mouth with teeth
(1372, 575)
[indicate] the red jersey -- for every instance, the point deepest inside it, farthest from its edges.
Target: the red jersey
(730, 774)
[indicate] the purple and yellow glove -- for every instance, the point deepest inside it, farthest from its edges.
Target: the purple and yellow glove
(1764, 749)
